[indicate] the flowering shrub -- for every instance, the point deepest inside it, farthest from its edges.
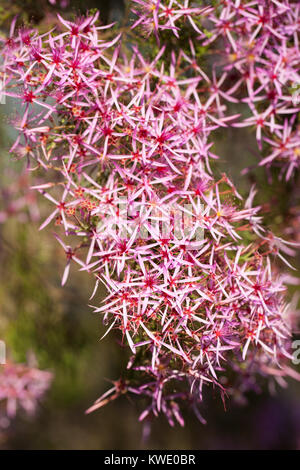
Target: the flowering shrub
(122, 148)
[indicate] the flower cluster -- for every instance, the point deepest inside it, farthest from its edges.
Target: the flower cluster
(261, 43)
(159, 16)
(123, 148)
(20, 386)
(256, 48)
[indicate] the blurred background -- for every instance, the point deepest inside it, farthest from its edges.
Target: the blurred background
(53, 326)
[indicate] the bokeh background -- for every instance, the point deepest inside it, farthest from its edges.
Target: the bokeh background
(53, 326)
